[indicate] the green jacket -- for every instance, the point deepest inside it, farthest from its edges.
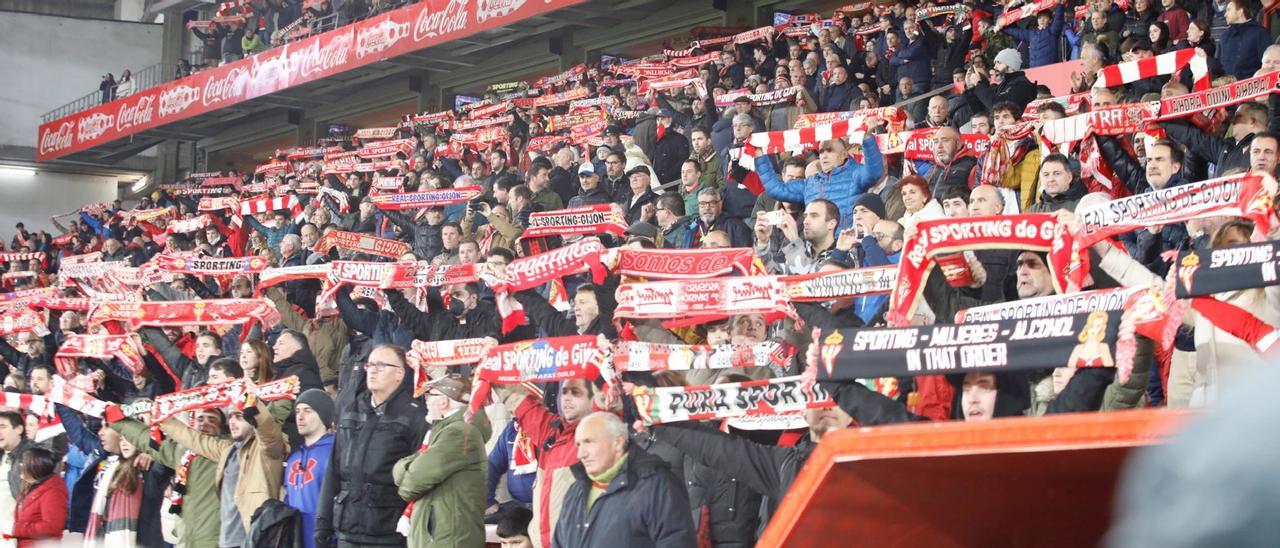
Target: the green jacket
(200, 503)
(447, 483)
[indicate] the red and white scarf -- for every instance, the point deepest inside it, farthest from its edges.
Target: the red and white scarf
(364, 243)
(254, 206)
(682, 264)
(775, 142)
(1161, 65)
(1011, 16)
(1223, 96)
(208, 266)
(125, 347)
(714, 297)
(592, 219)
(769, 98)
(430, 198)
(853, 282)
(1032, 232)
(218, 396)
(212, 312)
(645, 356)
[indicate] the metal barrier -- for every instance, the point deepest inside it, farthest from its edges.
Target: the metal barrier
(160, 73)
(145, 78)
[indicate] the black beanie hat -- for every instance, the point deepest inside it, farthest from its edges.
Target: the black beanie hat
(321, 403)
(872, 201)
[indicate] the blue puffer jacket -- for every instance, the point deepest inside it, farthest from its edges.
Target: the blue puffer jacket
(843, 185)
(1042, 44)
(1241, 47)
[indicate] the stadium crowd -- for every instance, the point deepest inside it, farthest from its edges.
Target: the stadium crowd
(623, 303)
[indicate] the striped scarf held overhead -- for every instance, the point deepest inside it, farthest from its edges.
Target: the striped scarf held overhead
(1164, 64)
(999, 158)
(775, 142)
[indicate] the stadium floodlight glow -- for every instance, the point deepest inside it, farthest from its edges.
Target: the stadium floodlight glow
(140, 184)
(17, 170)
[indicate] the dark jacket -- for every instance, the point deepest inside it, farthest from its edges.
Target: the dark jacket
(739, 234)
(594, 197)
(276, 524)
(302, 364)
(380, 325)
(1226, 154)
(1240, 48)
(1015, 88)
(1067, 200)
(1042, 44)
(956, 174)
(642, 506)
(564, 183)
(187, 370)
(633, 210)
(913, 61)
(668, 154)
(765, 469)
(426, 237)
(359, 500)
(836, 97)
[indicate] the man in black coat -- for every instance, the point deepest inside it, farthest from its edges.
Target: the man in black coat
(359, 502)
(1013, 86)
(952, 163)
(293, 356)
(670, 149)
(621, 496)
(425, 230)
(1226, 153)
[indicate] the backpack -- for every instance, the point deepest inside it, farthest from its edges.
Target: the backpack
(276, 525)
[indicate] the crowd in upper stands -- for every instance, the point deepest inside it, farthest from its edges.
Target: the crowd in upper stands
(382, 446)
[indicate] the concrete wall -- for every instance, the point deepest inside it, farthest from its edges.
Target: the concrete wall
(50, 61)
(31, 199)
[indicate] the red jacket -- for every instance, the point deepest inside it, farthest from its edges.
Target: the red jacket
(553, 440)
(42, 514)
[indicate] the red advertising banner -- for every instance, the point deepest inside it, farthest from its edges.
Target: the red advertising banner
(408, 29)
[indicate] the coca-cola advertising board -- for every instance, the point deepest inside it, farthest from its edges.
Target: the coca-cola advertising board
(411, 28)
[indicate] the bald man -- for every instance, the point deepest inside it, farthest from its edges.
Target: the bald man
(952, 163)
(621, 494)
(715, 238)
(985, 200)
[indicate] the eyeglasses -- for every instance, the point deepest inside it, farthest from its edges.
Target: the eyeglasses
(708, 203)
(378, 366)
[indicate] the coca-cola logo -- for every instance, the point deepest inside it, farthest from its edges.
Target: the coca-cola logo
(317, 58)
(380, 37)
(177, 99)
(269, 74)
(431, 24)
(93, 126)
(488, 9)
(230, 86)
(135, 115)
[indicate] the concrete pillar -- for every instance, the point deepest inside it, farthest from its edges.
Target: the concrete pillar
(741, 13)
(170, 50)
(428, 93)
(570, 54)
(130, 10)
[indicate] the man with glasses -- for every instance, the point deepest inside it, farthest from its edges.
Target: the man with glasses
(615, 181)
(447, 479)
(360, 504)
(711, 218)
